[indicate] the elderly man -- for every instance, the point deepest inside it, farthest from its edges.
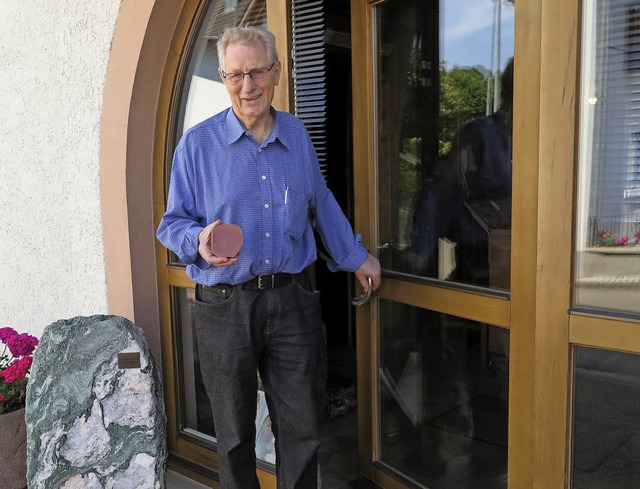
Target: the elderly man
(255, 167)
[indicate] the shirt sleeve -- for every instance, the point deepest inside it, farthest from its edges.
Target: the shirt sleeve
(179, 227)
(345, 249)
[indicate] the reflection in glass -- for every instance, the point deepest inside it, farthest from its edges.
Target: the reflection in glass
(195, 407)
(194, 402)
(608, 223)
(443, 398)
(606, 421)
(444, 96)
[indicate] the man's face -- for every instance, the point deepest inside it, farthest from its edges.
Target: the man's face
(251, 99)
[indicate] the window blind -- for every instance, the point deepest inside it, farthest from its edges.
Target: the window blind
(309, 72)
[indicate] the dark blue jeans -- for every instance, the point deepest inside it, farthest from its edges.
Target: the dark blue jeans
(276, 332)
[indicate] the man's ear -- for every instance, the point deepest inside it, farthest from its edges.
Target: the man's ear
(220, 74)
(277, 68)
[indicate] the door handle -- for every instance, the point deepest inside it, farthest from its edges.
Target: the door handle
(361, 301)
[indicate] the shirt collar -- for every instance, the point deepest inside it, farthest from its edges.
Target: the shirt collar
(235, 129)
(279, 131)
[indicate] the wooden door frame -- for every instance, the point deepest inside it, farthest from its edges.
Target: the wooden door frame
(545, 90)
(537, 312)
(364, 221)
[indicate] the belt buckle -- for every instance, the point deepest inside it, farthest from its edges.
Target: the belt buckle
(261, 284)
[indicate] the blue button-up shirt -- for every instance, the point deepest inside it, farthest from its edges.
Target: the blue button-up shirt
(220, 172)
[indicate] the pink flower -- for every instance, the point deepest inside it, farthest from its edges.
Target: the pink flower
(6, 333)
(622, 241)
(16, 358)
(22, 344)
(17, 370)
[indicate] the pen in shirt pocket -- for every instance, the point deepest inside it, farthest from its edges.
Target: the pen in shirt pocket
(286, 194)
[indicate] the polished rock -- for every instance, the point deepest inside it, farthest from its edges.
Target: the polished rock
(92, 421)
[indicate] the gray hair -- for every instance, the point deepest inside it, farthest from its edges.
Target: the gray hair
(247, 35)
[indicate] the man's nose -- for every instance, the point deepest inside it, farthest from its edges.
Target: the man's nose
(247, 81)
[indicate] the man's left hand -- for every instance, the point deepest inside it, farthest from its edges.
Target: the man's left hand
(370, 269)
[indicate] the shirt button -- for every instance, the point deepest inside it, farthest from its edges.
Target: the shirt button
(259, 150)
(264, 177)
(267, 234)
(267, 260)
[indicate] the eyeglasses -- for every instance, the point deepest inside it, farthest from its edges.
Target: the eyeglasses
(238, 76)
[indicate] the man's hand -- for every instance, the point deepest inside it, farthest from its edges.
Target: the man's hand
(369, 269)
(205, 250)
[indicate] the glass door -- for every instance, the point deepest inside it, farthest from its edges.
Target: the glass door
(432, 125)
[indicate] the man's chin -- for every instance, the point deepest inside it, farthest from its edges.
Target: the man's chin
(254, 113)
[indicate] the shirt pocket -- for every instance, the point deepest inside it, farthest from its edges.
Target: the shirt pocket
(296, 213)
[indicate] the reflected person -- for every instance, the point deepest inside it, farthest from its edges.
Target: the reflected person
(470, 194)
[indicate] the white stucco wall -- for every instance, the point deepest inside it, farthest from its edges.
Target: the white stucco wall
(53, 60)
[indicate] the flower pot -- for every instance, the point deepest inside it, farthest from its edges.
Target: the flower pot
(13, 469)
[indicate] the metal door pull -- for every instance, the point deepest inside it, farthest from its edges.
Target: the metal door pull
(360, 301)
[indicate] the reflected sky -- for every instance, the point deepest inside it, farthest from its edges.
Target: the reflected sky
(468, 30)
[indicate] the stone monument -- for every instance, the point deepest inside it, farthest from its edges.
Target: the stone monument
(94, 409)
